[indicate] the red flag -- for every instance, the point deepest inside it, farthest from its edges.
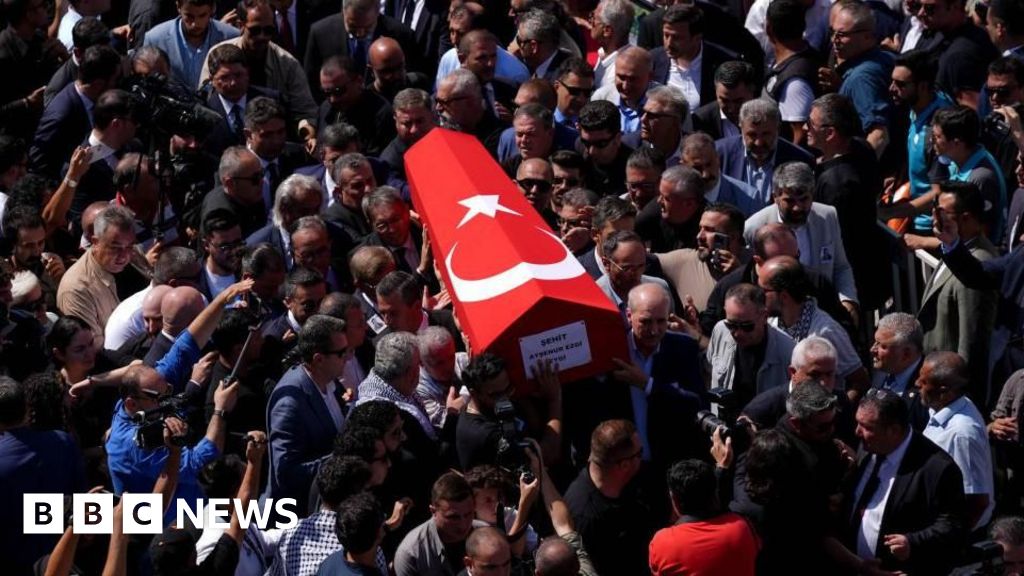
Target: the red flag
(518, 291)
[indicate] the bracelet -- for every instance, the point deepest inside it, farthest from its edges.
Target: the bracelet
(219, 412)
(71, 183)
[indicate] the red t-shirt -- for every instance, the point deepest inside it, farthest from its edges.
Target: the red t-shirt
(724, 545)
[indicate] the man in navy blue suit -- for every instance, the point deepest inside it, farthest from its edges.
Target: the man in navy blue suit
(304, 412)
(752, 156)
(68, 118)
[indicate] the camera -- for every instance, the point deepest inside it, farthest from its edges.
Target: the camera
(724, 418)
(511, 450)
(150, 434)
(986, 559)
(996, 122)
(168, 112)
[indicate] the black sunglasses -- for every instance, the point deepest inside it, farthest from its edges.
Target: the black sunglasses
(262, 30)
(341, 352)
(732, 325)
(599, 144)
(530, 183)
(577, 90)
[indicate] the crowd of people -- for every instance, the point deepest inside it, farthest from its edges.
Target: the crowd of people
(214, 284)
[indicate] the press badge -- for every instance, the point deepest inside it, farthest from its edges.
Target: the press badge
(826, 254)
(376, 323)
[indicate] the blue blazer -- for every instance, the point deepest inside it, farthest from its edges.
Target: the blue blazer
(65, 123)
(739, 194)
(733, 157)
(301, 436)
(165, 37)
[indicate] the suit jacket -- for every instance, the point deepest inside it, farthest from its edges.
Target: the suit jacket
(926, 503)
(712, 56)
(733, 158)
(329, 36)
(223, 135)
(165, 37)
(708, 119)
(828, 255)
(721, 355)
(720, 27)
(64, 75)
(955, 317)
(443, 318)
(919, 415)
(430, 32)
(301, 434)
(371, 115)
(676, 394)
(739, 194)
(551, 74)
(65, 123)
(374, 239)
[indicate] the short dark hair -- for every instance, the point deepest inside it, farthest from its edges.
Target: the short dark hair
(376, 414)
(111, 105)
(12, 402)
(315, 335)
(12, 151)
(358, 441)
(735, 219)
(339, 135)
(646, 158)
(233, 329)
(21, 218)
(340, 477)
(482, 368)
(260, 259)
(301, 276)
(967, 198)
(692, 485)
(890, 407)
(261, 110)
(89, 32)
(921, 63)
(450, 487)
(618, 238)
(218, 221)
(735, 72)
(175, 263)
(358, 523)
(337, 304)
(786, 19)
(610, 209)
(1010, 13)
(100, 62)
(1008, 66)
(958, 122)
(600, 115)
(689, 14)
(224, 55)
(839, 112)
(402, 283)
(344, 63)
(747, 294)
(570, 159)
(611, 442)
(44, 399)
(577, 66)
(773, 465)
(790, 277)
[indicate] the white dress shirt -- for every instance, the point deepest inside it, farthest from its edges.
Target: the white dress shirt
(871, 522)
(687, 79)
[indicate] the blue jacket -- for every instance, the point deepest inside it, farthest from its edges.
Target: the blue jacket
(733, 157)
(739, 194)
(166, 36)
(65, 123)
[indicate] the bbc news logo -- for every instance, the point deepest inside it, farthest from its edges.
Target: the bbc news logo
(143, 513)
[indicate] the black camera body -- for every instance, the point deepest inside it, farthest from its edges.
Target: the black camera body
(996, 123)
(511, 450)
(724, 417)
(150, 434)
(986, 560)
(169, 112)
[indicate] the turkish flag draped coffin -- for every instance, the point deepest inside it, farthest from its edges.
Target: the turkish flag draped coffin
(518, 291)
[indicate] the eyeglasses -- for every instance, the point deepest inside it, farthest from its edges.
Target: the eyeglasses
(640, 186)
(268, 31)
(598, 144)
(254, 179)
(568, 181)
(734, 325)
(446, 102)
(542, 186)
(1000, 91)
(340, 353)
(627, 267)
(577, 91)
(573, 222)
(839, 34)
(336, 91)
(657, 115)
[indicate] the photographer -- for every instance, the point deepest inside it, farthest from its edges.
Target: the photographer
(1004, 89)
(483, 428)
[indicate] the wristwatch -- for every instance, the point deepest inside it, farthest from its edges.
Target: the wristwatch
(71, 183)
(220, 412)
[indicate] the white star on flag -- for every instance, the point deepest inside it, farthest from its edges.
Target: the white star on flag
(486, 204)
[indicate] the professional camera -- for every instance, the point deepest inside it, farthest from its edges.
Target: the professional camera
(511, 450)
(996, 122)
(169, 112)
(724, 417)
(150, 434)
(986, 560)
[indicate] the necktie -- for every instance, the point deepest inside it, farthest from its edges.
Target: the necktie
(869, 491)
(284, 34)
(408, 10)
(237, 123)
(890, 382)
(273, 178)
(358, 52)
(400, 262)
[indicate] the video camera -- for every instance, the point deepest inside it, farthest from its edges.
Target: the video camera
(167, 112)
(150, 434)
(511, 450)
(723, 416)
(986, 559)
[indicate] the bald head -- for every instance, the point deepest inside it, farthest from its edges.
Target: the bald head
(556, 558)
(648, 296)
(535, 168)
(152, 314)
(775, 239)
(634, 56)
(89, 218)
(779, 264)
(179, 307)
(384, 49)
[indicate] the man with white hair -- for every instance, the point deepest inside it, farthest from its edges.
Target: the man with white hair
(610, 25)
(896, 356)
(440, 383)
(672, 220)
(753, 156)
(629, 92)
(461, 106)
(296, 197)
(661, 123)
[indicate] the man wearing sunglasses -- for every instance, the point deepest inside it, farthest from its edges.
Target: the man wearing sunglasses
(534, 180)
(304, 289)
(574, 86)
(963, 53)
(347, 100)
(601, 145)
(748, 355)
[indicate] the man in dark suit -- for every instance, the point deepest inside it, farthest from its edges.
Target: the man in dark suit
(265, 135)
(232, 91)
(304, 411)
(752, 156)
(239, 191)
(478, 53)
(388, 73)
(350, 33)
(28, 59)
(906, 505)
(720, 27)
(303, 290)
(414, 119)
(353, 178)
(735, 84)
(611, 215)
(86, 33)
(462, 105)
(347, 100)
(67, 120)
(538, 38)
(683, 32)
(393, 229)
(294, 18)
(427, 19)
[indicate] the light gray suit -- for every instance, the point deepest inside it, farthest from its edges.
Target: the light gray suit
(960, 319)
(827, 253)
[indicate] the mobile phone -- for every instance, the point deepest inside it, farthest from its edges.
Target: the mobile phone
(719, 241)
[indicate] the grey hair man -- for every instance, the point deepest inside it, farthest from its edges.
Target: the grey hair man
(679, 204)
(394, 377)
(610, 25)
(440, 386)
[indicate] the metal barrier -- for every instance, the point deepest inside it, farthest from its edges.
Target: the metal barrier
(904, 265)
